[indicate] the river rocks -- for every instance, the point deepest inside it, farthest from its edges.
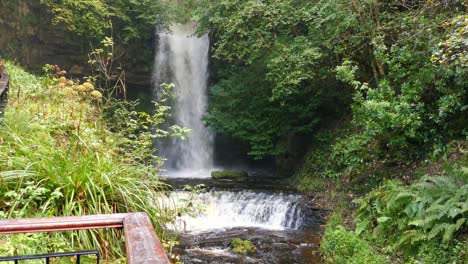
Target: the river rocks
(229, 174)
(240, 246)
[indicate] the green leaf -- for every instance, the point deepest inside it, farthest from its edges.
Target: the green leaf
(383, 219)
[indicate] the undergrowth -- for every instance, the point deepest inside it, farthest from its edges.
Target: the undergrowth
(414, 220)
(421, 222)
(61, 157)
(342, 247)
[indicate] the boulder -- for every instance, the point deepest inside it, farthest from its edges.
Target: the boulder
(229, 174)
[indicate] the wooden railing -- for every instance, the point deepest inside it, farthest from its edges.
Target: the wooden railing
(142, 244)
(4, 84)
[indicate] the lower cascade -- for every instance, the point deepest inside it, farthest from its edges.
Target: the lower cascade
(228, 209)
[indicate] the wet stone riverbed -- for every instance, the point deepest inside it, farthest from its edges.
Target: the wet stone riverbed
(273, 246)
(282, 225)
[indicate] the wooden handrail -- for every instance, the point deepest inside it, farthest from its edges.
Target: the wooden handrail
(67, 223)
(142, 244)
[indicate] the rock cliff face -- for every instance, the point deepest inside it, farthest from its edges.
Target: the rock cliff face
(28, 35)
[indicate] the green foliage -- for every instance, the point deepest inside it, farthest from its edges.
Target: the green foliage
(291, 65)
(431, 210)
(240, 246)
(407, 104)
(417, 106)
(137, 19)
(335, 154)
(83, 17)
(350, 153)
(240, 107)
(132, 19)
(452, 51)
(277, 34)
(63, 159)
(31, 244)
(437, 253)
(340, 246)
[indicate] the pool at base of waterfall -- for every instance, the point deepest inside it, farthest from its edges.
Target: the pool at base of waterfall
(282, 226)
(272, 246)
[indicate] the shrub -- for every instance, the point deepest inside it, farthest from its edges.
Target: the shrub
(341, 246)
(334, 154)
(431, 210)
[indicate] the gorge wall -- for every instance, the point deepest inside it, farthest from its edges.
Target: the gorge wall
(28, 35)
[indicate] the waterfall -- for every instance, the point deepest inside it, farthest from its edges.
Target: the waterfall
(227, 209)
(182, 59)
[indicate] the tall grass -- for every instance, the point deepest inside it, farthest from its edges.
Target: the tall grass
(58, 157)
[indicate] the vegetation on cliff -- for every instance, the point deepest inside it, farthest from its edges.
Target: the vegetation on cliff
(130, 20)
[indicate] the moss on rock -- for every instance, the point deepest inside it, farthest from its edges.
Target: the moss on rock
(228, 174)
(240, 246)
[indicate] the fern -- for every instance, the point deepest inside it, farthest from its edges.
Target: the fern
(434, 209)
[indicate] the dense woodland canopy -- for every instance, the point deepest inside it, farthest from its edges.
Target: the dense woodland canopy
(399, 66)
(376, 93)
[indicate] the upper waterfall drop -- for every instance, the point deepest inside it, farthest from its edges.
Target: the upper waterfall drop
(182, 59)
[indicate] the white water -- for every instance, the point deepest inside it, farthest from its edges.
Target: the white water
(227, 209)
(182, 59)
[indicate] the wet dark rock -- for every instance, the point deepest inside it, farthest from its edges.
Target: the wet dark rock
(257, 183)
(273, 246)
(229, 174)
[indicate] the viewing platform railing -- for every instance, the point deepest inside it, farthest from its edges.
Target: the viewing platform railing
(142, 244)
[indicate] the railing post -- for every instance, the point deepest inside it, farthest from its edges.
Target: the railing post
(143, 246)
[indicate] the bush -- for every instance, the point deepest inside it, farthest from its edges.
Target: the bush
(431, 210)
(341, 246)
(418, 106)
(334, 154)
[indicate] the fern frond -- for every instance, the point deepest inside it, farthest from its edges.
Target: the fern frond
(449, 233)
(418, 223)
(460, 223)
(454, 212)
(410, 237)
(438, 229)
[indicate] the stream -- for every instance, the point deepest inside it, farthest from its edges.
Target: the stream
(283, 225)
